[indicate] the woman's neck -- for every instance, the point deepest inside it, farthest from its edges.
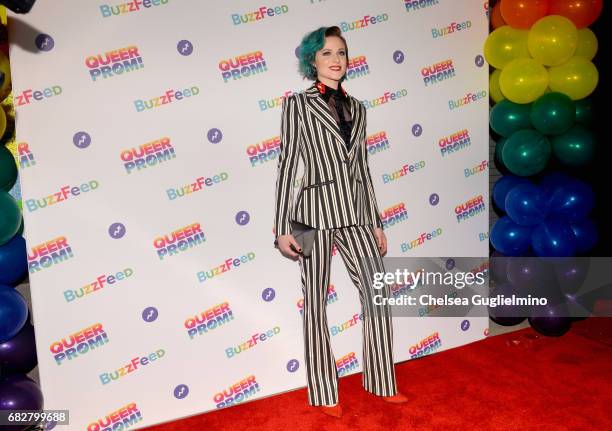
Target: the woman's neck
(329, 82)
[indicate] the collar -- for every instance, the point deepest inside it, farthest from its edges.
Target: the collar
(326, 92)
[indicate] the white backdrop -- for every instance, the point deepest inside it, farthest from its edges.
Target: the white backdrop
(122, 267)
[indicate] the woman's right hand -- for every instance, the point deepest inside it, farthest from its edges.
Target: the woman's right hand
(284, 245)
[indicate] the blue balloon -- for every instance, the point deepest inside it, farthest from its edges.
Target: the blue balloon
(586, 235)
(510, 238)
(13, 312)
(13, 261)
(503, 186)
(551, 181)
(572, 201)
(527, 205)
(554, 238)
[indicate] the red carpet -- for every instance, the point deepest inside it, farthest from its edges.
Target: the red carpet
(516, 381)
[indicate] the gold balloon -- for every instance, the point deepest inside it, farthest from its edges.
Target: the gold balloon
(5, 82)
(576, 78)
(494, 90)
(552, 40)
(587, 44)
(505, 44)
(523, 80)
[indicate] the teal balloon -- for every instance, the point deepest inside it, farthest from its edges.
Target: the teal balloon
(553, 113)
(526, 152)
(576, 147)
(10, 217)
(584, 111)
(507, 117)
(499, 147)
(8, 169)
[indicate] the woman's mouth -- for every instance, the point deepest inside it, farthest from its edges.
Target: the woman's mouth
(335, 68)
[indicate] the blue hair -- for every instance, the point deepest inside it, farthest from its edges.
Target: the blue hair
(311, 43)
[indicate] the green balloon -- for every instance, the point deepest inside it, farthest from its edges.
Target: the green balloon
(553, 113)
(8, 169)
(526, 152)
(499, 148)
(10, 217)
(507, 117)
(575, 147)
(584, 111)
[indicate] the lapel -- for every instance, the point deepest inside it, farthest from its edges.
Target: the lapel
(317, 106)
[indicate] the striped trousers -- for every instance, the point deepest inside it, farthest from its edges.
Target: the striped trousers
(353, 243)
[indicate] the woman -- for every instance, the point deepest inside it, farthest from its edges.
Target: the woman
(326, 127)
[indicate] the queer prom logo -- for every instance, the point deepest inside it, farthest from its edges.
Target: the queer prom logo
(48, 254)
(243, 66)
(147, 155)
(426, 346)
(346, 364)
(178, 241)
(25, 156)
(78, 344)
(357, 67)
(470, 208)
(454, 142)
(237, 393)
(377, 142)
(394, 215)
(208, 320)
(114, 63)
(263, 152)
(438, 72)
(118, 420)
(414, 5)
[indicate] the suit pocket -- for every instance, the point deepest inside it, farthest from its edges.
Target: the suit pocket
(319, 184)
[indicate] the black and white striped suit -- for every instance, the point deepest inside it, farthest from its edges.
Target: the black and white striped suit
(336, 197)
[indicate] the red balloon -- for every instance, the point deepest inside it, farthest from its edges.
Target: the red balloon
(523, 13)
(496, 18)
(582, 13)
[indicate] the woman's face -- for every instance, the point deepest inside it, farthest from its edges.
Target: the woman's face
(331, 60)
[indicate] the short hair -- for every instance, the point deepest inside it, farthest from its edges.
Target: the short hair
(313, 42)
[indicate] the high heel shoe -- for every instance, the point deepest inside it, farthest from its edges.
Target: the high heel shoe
(398, 398)
(335, 410)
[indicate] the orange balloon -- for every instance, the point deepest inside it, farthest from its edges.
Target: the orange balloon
(496, 17)
(523, 13)
(582, 13)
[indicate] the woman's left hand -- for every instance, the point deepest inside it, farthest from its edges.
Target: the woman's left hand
(381, 240)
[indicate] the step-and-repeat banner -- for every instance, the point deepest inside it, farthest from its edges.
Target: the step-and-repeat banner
(148, 136)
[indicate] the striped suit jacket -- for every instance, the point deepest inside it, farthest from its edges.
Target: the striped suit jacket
(336, 188)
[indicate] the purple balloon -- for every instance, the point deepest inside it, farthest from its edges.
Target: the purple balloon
(498, 267)
(530, 275)
(505, 314)
(571, 273)
(19, 392)
(551, 320)
(18, 355)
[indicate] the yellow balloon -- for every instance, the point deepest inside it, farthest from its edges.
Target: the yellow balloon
(5, 76)
(552, 40)
(587, 44)
(577, 78)
(523, 80)
(494, 90)
(2, 122)
(505, 44)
